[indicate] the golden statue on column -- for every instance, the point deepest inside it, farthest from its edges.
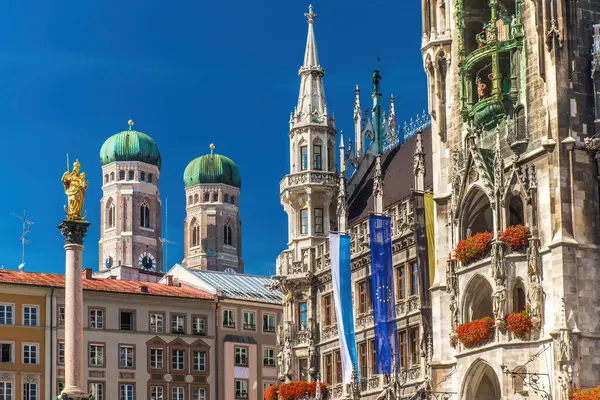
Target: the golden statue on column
(75, 187)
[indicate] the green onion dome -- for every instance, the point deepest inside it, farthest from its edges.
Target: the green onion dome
(212, 168)
(130, 145)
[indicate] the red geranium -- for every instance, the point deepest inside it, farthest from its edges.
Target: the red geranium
(585, 394)
(519, 323)
(293, 390)
(515, 236)
(472, 248)
(476, 333)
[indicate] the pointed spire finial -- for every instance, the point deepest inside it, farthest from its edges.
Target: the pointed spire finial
(130, 123)
(310, 15)
(212, 148)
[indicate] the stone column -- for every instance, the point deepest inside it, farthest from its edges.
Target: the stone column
(73, 232)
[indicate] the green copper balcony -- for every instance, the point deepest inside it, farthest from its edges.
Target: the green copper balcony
(488, 112)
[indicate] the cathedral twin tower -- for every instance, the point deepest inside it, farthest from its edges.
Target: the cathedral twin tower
(131, 243)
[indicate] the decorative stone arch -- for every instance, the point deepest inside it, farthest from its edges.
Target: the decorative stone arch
(481, 382)
(196, 199)
(145, 220)
(477, 299)
(476, 214)
(194, 233)
(110, 211)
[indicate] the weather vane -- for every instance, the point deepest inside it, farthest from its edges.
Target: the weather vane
(75, 186)
(26, 228)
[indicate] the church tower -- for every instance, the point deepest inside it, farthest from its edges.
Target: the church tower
(130, 207)
(307, 192)
(213, 228)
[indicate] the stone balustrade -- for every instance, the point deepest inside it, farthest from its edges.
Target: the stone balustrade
(307, 178)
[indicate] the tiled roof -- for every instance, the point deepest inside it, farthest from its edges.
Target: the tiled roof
(103, 285)
(241, 286)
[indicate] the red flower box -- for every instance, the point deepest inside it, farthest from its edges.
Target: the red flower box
(293, 390)
(519, 323)
(472, 248)
(476, 333)
(585, 394)
(515, 236)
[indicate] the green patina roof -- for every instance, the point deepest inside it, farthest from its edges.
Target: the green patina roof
(130, 145)
(212, 168)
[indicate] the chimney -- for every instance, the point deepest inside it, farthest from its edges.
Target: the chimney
(169, 280)
(144, 289)
(87, 273)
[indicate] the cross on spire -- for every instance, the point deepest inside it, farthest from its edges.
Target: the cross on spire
(310, 15)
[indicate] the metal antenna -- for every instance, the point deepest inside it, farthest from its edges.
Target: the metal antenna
(166, 242)
(26, 228)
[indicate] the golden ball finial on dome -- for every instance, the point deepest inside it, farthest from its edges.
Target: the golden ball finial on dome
(130, 123)
(212, 147)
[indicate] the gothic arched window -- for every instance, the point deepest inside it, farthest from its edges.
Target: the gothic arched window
(121, 175)
(226, 199)
(130, 178)
(195, 234)
(232, 200)
(206, 197)
(142, 176)
(145, 215)
(227, 237)
(112, 176)
(196, 198)
(110, 214)
(215, 197)
(106, 178)
(516, 212)
(190, 200)
(518, 297)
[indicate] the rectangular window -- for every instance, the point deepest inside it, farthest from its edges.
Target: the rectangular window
(338, 367)
(414, 346)
(6, 390)
(61, 353)
(96, 355)
(6, 352)
(269, 357)
(302, 315)
(327, 310)
(30, 354)
(303, 368)
(157, 393)
(30, 315)
(268, 322)
(229, 318)
(267, 385)
(6, 314)
(317, 160)
(241, 389)
(318, 220)
(96, 389)
(362, 297)
(157, 322)
(142, 176)
(329, 368)
(304, 221)
(96, 318)
(156, 358)
(150, 178)
(403, 348)
(373, 357)
(249, 323)
(60, 385)
(241, 356)
(414, 279)
(61, 316)
(199, 394)
(303, 158)
(178, 360)
(178, 393)
(200, 361)
(401, 286)
(178, 324)
(126, 356)
(126, 391)
(30, 391)
(199, 326)
(127, 320)
(362, 359)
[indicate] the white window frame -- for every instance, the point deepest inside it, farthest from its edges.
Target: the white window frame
(180, 395)
(177, 322)
(37, 353)
(243, 353)
(265, 356)
(12, 388)
(27, 386)
(12, 313)
(159, 322)
(243, 383)
(199, 361)
(272, 315)
(12, 352)
(37, 315)
(123, 391)
(196, 327)
(93, 390)
(155, 364)
(127, 348)
(154, 392)
(227, 310)
(200, 394)
(180, 358)
(94, 360)
(97, 322)
(247, 322)
(60, 356)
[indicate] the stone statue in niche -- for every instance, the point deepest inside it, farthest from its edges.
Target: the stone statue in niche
(535, 301)
(499, 300)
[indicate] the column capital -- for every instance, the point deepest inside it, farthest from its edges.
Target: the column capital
(74, 231)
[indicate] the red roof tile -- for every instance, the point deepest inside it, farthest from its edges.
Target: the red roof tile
(103, 285)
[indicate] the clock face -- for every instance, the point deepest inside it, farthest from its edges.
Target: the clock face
(147, 261)
(109, 260)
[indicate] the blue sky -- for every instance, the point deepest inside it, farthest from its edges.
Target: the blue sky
(189, 73)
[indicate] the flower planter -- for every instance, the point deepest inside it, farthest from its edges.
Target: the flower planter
(519, 324)
(293, 391)
(516, 236)
(473, 247)
(476, 333)
(585, 394)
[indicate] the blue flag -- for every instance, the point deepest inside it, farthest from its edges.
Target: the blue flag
(382, 289)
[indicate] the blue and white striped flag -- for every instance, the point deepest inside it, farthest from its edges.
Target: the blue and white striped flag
(339, 252)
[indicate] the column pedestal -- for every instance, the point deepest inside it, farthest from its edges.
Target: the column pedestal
(74, 232)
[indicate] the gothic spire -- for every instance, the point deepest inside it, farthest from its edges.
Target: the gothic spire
(358, 137)
(311, 57)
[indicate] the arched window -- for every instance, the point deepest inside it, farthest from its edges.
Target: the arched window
(130, 176)
(478, 300)
(206, 197)
(190, 200)
(121, 175)
(232, 200)
(518, 297)
(477, 215)
(145, 215)
(226, 198)
(215, 197)
(110, 214)
(227, 239)
(196, 198)
(142, 176)
(195, 234)
(106, 178)
(516, 211)
(150, 176)
(112, 176)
